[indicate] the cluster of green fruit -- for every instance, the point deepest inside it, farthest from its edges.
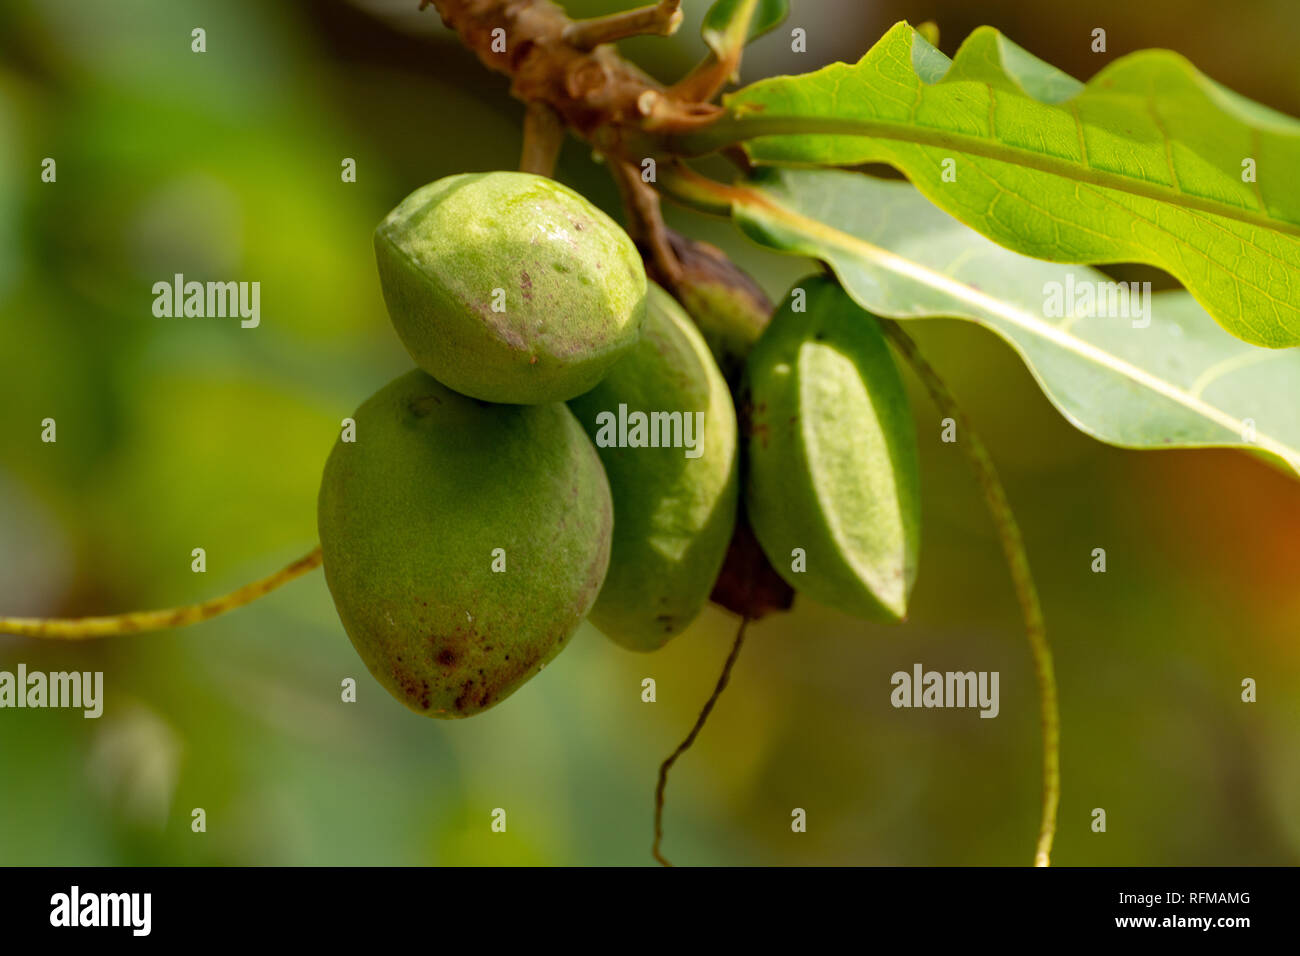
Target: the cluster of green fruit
(472, 524)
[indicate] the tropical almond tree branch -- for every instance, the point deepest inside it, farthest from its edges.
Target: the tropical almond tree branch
(598, 94)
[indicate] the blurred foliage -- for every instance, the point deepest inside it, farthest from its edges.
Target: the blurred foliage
(183, 433)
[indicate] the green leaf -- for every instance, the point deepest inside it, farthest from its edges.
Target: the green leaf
(1143, 164)
(1178, 382)
(730, 24)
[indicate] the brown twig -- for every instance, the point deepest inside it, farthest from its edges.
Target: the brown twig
(645, 221)
(662, 18)
(597, 94)
(707, 79)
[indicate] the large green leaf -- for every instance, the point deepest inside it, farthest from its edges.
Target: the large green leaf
(1143, 164)
(1168, 379)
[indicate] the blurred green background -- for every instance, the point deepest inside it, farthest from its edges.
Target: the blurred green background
(183, 433)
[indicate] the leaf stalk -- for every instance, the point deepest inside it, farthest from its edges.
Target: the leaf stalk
(83, 628)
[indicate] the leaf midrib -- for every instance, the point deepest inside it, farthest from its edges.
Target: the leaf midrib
(1025, 320)
(739, 128)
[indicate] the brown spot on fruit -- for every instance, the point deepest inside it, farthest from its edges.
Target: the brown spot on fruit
(463, 699)
(431, 653)
(422, 405)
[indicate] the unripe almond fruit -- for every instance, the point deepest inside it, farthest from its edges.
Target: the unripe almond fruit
(833, 485)
(510, 287)
(463, 542)
(674, 506)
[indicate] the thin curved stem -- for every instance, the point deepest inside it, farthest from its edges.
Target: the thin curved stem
(82, 628)
(1013, 547)
(645, 221)
(690, 739)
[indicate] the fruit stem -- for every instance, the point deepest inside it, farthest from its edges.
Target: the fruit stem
(81, 628)
(645, 221)
(690, 739)
(543, 138)
(1013, 546)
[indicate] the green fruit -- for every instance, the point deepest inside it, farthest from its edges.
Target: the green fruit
(832, 456)
(411, 517)
(510, 287)
(673, 514)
